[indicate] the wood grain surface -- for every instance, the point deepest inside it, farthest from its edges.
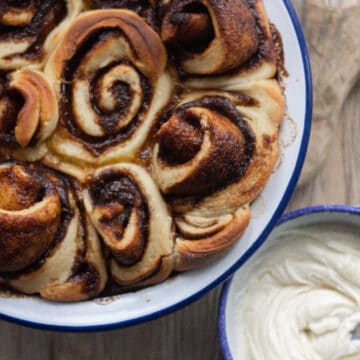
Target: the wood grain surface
(332, 29)
(190, 334)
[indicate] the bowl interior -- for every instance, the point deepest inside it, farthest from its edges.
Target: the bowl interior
(181, 289)
(227, 319)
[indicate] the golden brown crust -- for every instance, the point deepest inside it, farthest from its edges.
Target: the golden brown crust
(228, 29)
(262, 65)
(13, 16)
(144, 41)
(46, 247)
(223, 149)
(88, 280)
(28, 114)
(111, 93)
(169, 154)
(195, 253)
(212, 218)
(32, 31)
(160, 273)
(215, 37)
(25, 235)
(232, 160)
(40, 110)
(129, 213)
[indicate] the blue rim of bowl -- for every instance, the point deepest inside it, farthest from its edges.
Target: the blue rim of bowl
(284, 201)
(352, 210)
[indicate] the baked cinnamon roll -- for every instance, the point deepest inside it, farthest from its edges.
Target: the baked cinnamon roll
(212, 157)
(47, 245)
(30, 29)
(129, 213)
(166, 153)
(109, 75)
(212, 37)
(202, 237)
(28, 113)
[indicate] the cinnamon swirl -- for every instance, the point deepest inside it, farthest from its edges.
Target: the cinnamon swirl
(30, 29)
(135, 148)
(212, 157)
(226, 37)
(109, 75)
(129, 213)
(46, 245)
(28, 113)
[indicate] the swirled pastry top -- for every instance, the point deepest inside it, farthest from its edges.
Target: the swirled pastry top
(30, 29)
(46, 245)
(212, 37)
(134, 136)
(302, 299)
(109, 75)
(28, 108)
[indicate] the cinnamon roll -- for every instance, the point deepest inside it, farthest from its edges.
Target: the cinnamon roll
(28, 113)
(212, 157)
(47, 245)
(30, 29)
(119, 164)
(109, 75)
(212, 37)
(126, 208)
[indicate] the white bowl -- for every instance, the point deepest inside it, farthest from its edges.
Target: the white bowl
(227, 327)
(184, 288)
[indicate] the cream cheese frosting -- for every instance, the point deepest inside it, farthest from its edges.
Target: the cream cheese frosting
(302, 299)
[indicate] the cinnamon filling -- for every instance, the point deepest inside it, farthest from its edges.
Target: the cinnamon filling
(144, 8)
(47, 14)
(134, 5)
(11, 103)
(120, 91)
(119, 193)
(265, 49)
(122, 94)
(180, 139)
(207, 140)
(45, 182)
(188, 30)
(192, 28)
(231, 150)
(89, 277)
(19, 193)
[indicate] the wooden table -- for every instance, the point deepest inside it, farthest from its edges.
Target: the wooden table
(191, 333)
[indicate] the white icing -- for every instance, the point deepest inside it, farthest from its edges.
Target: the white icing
(302, 299)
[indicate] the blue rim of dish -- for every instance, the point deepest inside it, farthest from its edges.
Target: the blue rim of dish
(285, 218)
(284, 201)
